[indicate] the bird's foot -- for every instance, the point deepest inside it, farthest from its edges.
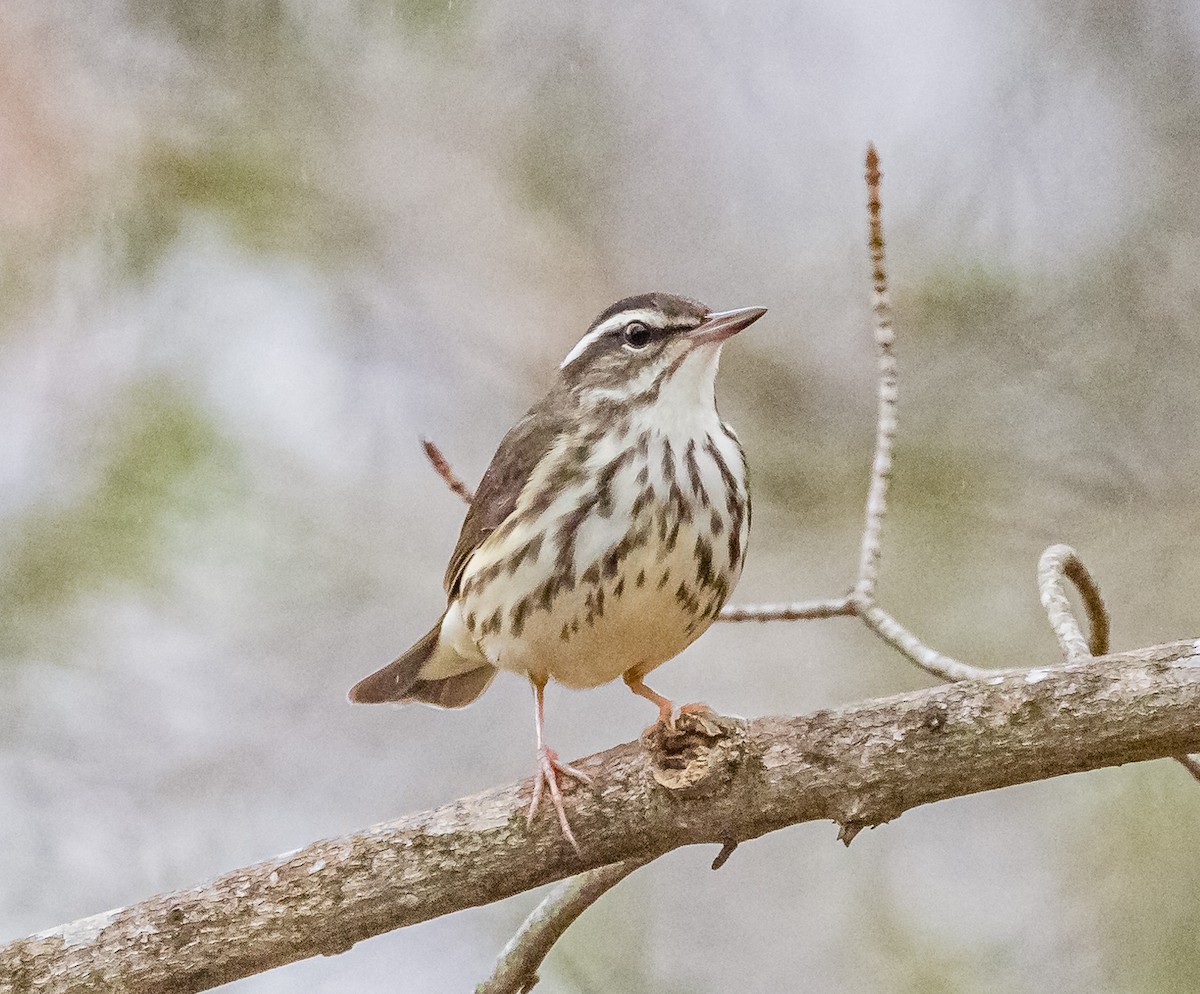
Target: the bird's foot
(667, 714)
(548, 771)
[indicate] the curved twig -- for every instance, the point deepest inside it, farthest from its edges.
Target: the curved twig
(517, 965)
(1057, 562)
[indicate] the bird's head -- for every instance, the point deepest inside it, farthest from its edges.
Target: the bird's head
(651, 347)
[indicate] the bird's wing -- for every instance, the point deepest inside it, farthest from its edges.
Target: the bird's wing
(496, 496)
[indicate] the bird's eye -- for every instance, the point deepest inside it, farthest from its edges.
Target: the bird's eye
(637, 336)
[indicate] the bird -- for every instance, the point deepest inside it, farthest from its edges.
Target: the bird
(606, 534)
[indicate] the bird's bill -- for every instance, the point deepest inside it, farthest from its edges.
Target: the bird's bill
(724, 324)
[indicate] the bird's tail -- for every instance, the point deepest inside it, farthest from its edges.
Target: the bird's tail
(402, 680)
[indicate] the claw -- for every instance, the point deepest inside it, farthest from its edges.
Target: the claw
(547, 775)
(549, 769)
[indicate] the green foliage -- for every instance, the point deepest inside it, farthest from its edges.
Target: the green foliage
(256, 189)
(430, 19)
(158, 468)
(225, 30)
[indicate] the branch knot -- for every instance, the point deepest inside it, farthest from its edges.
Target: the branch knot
(696, 755)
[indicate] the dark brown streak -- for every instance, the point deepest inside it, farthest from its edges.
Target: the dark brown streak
(672, 538)
(604, 503)
(568, 529)
(679, 504)
(704, 562)
(492, 624)
(517, 615)
(528, 551)
(668, 462)
(730, 481)
(693, 468)
(735, 546)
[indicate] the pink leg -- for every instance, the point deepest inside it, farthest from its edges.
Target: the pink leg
(548, 770)
(665, 706)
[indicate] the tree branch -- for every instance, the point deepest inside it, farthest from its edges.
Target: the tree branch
(713, 780)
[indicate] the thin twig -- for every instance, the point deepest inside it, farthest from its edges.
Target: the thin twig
(1191, 764)
(517, 965)
(442, 468)
(727, 850)
(1059, 562)
(930, 660)
(835, 607)
(886, 427)
(861, 602)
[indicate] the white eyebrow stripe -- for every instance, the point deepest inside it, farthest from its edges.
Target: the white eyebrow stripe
(653, 318)
(582, 345)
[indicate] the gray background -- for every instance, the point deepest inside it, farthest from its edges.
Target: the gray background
(251, 251)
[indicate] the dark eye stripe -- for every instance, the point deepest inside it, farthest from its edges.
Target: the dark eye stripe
(653, 333)
(607, 336)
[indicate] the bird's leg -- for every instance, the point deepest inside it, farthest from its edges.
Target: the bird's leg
(549, 768)
(666, 707)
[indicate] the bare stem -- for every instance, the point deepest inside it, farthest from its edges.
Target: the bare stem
(517, 966)
(442, 468)
(887, 423)
(861, 602)
(930, 660)
(1191, 764)
(835, 607)
(1059, 562)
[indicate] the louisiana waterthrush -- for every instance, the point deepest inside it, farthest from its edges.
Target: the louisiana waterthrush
(607, 532)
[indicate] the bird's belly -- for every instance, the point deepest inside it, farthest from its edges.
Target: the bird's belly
(598, 632)
(629, 609)
(619, 572)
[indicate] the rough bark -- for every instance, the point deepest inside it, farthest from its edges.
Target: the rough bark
(713, 780)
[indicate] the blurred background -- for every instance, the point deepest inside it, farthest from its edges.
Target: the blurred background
(251, 251)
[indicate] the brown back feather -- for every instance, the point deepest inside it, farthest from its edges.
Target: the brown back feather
(511, 467)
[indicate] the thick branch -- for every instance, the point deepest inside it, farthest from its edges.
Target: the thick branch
(718, 780)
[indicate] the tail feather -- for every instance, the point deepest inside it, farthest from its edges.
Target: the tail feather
(453, 691)
(401, 680)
